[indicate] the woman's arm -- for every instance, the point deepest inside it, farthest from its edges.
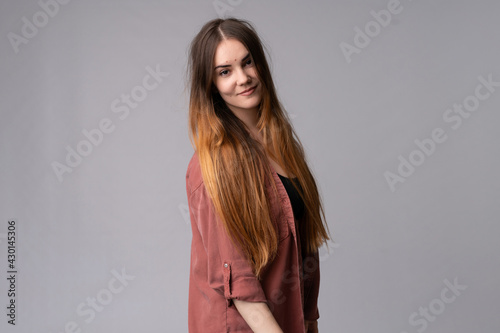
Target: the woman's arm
(258, 316)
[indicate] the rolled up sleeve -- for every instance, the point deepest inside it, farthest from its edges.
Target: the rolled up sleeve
(228, 271)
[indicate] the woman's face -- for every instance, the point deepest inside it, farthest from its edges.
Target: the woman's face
(236, 77)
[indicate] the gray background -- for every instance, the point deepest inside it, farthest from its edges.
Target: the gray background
(124, 206)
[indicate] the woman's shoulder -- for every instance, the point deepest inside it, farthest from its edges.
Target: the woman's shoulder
(193, 174)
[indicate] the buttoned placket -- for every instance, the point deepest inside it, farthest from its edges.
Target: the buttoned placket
(288, 211)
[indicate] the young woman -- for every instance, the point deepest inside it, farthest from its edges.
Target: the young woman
(256, 215)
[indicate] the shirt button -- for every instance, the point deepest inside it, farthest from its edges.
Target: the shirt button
(225, 265)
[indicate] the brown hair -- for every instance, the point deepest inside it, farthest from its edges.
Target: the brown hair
(229, 157)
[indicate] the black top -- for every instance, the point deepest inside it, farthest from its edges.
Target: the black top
(295, 199)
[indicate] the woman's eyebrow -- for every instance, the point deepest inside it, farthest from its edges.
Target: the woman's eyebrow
(222, 66)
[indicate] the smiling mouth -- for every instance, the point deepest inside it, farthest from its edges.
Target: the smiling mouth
(248, 91)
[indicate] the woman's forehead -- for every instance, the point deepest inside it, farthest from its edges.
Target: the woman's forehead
(230, 51)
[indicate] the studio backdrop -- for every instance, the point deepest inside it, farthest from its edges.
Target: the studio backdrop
(395, 101)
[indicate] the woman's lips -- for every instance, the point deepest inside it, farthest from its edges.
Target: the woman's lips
(248, 91)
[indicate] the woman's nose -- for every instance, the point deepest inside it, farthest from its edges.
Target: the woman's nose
(242, 77)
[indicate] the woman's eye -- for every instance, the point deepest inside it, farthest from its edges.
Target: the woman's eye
(223, 72)
(249, 62)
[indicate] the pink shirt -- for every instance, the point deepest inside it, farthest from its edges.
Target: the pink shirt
(219, 271)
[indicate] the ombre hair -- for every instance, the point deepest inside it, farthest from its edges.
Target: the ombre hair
(235, 166)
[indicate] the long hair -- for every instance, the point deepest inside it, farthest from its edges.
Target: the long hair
(234, 166)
